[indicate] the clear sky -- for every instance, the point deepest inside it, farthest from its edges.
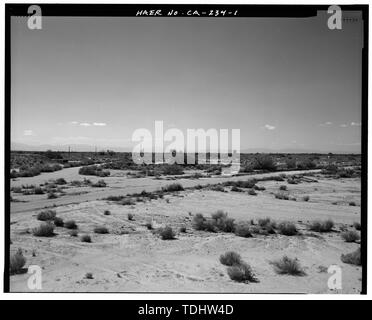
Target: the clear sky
(285, 83)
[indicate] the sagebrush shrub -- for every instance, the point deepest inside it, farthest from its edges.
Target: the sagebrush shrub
(352, 258)
(287, 228)
(199, 221)
(70, 224)
(286, 265)
(322, 226)
(173, 187)
(230, 258)
(46, 215)
(17, 262)
(130, 216)
(101, 230)
(283, 188)
(167, 233)
(241, 273)
(243, 230)
(350, 236)
(357, 226)
(58, 222)
(44, 230)
(86, 238)
(73, 233)
(107, 212)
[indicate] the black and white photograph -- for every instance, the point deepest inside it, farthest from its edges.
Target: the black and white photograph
(186, 148)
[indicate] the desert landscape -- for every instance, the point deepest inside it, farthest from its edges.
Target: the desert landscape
(99, 223)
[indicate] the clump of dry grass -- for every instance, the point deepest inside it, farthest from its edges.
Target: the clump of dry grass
(107, 212)
(89, 275)
(44, 230)
(17, 262)
(352, 258)
(350, 236)
(286, 265)
(283, 188)
(287, 228)
(130, 216)
(322, 226)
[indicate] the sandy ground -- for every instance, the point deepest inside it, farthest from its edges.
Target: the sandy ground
(133, 259)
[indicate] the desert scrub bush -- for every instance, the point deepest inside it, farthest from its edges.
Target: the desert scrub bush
(89, 275)
(101, 230)
(352, 258)
(230, 258)
(218, 187)
(286, 265)
(287, 228)
(350, 236)
(130, 216)
(99, 184)
(236, 189)
(352, 204)
(46, 215)
(127, 202)
(106, 212)
(38, 190)
(58, 222)
(258, 188)
(45, 229)
(86, 238)
(149, 225)
(17, 262)
(305, 198)
(357, 226)
(173, 187)
(199, 222)
(267, 224)
(241, 273)
(283, 188)
(94, 171)
(167, 233)
(73, 233)
(243, 230)
(52, 195)
(252, 192)
(322, 226)
(70, 224)
(60, 181)
(183, 229)
(222, 222)
(281, 196)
